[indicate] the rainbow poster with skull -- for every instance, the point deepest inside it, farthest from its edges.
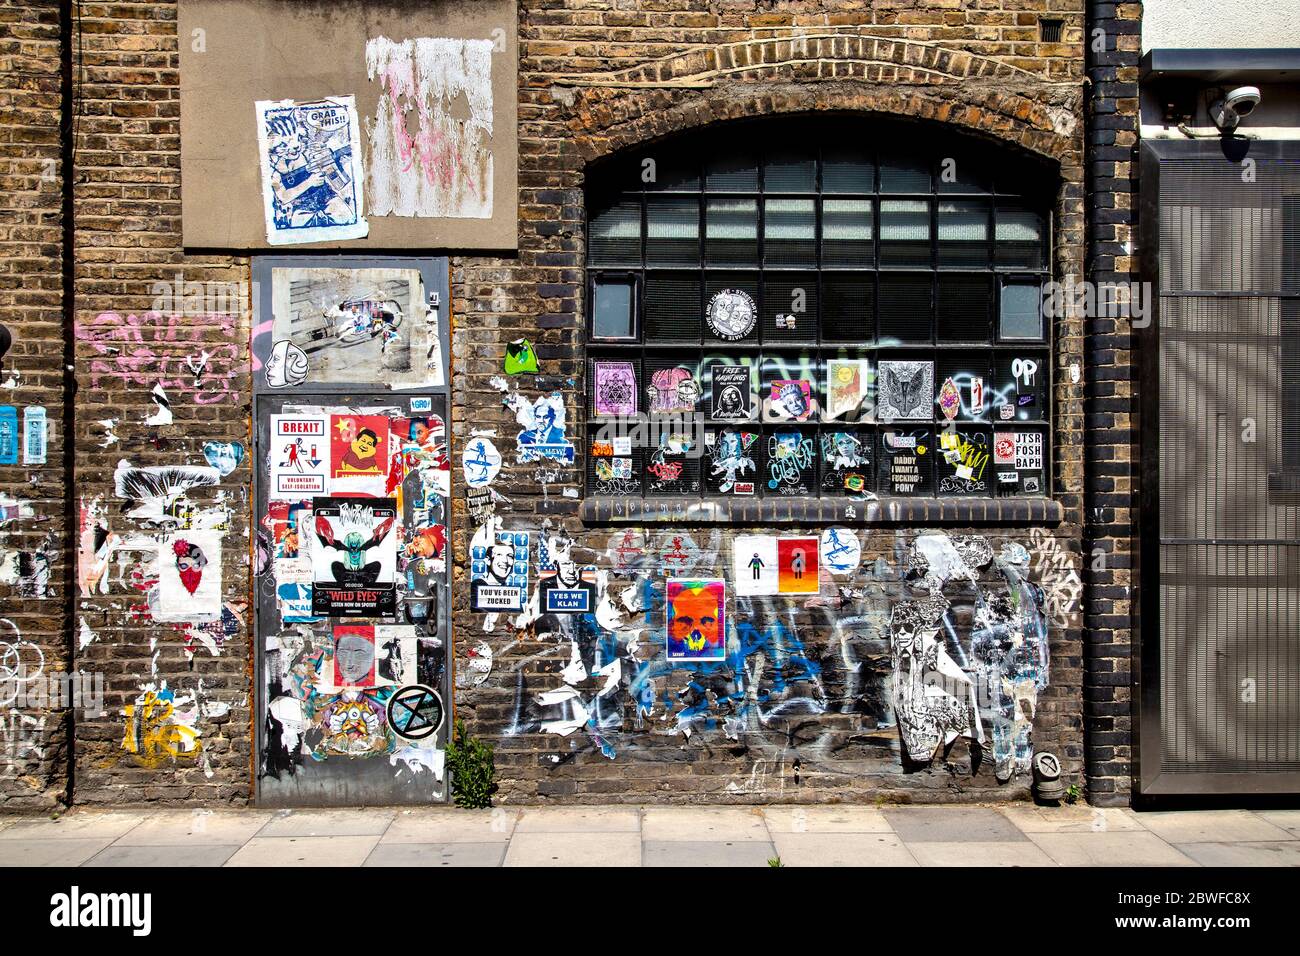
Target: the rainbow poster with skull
(697, 619)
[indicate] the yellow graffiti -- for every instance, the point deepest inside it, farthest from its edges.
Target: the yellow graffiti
(153, 731)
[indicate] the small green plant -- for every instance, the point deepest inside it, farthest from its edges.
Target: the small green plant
(473, 770)
(1073, 794)
(775, 861)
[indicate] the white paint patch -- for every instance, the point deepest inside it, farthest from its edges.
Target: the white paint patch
(429, 141)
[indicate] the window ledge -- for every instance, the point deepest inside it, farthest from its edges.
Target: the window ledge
(813, 511)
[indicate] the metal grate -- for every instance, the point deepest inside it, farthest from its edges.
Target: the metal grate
(1229, 368)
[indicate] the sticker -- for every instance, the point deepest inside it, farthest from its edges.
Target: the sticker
(622, 445)
(1031, 484)
(225, 456)
(354, 557)
(422, 403)
(498, 568)
(1008, 477)
(847, 382)
(299, 457)
(731, 314)
(841, 551)
(696, 620)
(8, 435)
(312, 184)
(672, 390)
(976, 396)
(543, 431)
(189, 576)
(520, 357)
(1006, 412)
(1004, 448)
(731, 392)
(949, 399)
(34, 435)
(415, 712)
(286, 365)
(615, 388)
(792, 399)
(481, 463)
(754, 565)
(905, 388)
(1029, 452)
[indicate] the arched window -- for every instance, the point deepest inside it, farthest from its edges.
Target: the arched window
(839, 308)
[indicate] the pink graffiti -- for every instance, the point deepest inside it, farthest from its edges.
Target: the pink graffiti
(151, 348)
(435, 151)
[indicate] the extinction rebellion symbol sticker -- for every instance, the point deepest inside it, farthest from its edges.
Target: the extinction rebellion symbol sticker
(415, 712)
(731, 314)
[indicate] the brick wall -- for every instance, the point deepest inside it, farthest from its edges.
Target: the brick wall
(1111, 505)
(595, 78)
(136, 329)
(34, 549)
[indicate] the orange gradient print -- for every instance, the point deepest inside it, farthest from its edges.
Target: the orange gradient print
(797, 563)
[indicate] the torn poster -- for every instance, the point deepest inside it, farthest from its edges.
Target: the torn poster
(543, 430)
(354, 557)
(359, 325)
(189, 576)
(934, 700)
(430, 140)
(312, 183)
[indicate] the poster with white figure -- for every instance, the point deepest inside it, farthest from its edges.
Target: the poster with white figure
(312, 184)
(754, 565)
(189, 576)
(430, 139)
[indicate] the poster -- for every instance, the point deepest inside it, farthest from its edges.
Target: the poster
(481, 462)
(359, 454)
(543, 430)
(299, 457)
(754, 565)
(905, 462)
(906, 391)
(354, 656)
(498, 568)
(8, 435)
(731, 390)
(312, 184)
(672, 390)
(841, 551)
(790, 400)
(730, 461)
(189, 576)
(359, 325)
(1029, 451)
(696, 620)
(354, 557)
(615, 389)
(848, 383)
(798, 567)
(563, 586)
(847, 462)
(791, 462)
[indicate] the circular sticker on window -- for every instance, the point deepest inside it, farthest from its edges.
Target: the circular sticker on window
(731, 314)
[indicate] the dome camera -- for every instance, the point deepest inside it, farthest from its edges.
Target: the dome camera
(1228, 111)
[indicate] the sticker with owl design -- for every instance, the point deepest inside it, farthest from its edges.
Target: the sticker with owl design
(906, 391)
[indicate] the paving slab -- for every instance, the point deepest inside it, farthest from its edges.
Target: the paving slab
(304, 851)
(327, 823)
(1269, 853)
(952, 825)
(578, 820)
(77, 825)
(701, 824)
(46, 852)
(1124, 848)
(842, 849)
(451, 826)
(825, 820)
(708, 853)
(437, 854)
(575, 849)
(1288, 820)
(196, 828)
(1019, 853)
(1031, 819)
(1212, 826)
(168, 856)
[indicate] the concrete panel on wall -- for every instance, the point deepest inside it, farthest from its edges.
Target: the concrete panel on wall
(434, 86)
(1209, 24)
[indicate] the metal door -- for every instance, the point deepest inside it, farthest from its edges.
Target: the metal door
(352, 500)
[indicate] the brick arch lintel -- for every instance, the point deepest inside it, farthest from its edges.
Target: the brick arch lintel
(604, 121)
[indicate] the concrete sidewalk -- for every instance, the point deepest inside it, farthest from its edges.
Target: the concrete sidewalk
(1019, 835)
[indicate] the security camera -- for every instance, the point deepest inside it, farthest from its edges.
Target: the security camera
(1227, 112)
